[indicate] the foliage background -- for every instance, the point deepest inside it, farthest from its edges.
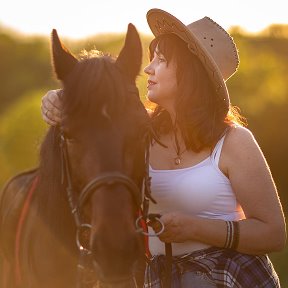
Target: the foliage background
(259, 88)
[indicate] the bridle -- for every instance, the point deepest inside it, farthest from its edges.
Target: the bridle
(140, 195)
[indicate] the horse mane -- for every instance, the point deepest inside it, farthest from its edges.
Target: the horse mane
(95, 83)
(52, 204)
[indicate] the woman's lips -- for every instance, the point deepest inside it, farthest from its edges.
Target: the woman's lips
(150, 84)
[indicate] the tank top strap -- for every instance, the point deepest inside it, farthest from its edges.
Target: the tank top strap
(215, 155)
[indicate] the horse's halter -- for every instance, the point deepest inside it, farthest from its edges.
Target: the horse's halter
(141, 196)
(104, 179)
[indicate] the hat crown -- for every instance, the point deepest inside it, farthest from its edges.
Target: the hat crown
(218, 43)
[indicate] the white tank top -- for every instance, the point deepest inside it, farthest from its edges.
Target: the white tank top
(201, 190)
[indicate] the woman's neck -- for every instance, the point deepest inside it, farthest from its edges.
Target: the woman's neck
(171, 111)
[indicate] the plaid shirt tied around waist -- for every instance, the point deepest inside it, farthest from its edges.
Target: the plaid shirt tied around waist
(225, 268)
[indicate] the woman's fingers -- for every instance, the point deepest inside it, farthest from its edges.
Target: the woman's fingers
(156, 225)
(51, 107)
(46, 117)
(49, 121)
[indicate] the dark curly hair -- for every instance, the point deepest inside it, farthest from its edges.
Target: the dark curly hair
(201, 115)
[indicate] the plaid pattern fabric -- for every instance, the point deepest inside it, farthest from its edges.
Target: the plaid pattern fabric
(225, 268)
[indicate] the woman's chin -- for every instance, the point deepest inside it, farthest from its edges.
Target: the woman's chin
(151, 97)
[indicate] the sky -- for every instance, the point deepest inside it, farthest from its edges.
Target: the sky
(83, 18)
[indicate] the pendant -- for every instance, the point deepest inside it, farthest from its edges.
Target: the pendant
(177, 161)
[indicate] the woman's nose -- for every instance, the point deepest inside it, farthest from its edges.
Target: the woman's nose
(148, 69)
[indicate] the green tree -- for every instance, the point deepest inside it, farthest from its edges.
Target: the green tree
(25, 65)
(21, 132)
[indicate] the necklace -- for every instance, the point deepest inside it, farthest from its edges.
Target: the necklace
(177, 159)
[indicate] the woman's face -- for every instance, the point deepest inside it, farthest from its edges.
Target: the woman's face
(162, 81)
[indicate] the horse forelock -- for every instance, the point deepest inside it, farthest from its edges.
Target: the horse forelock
(95, 84)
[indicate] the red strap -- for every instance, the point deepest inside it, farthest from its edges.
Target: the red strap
(146, 239)
(23, 215)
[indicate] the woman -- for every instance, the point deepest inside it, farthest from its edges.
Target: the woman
(212, 184)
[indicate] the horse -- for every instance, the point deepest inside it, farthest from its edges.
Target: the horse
(70, 222)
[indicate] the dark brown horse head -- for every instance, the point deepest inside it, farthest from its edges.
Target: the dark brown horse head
(103, 131)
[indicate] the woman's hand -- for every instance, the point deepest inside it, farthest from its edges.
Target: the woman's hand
(178, 227)
(51, 107)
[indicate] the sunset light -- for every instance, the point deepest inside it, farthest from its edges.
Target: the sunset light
(81, 159)
(78, 19)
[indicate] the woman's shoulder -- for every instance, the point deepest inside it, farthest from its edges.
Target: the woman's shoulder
(240, 142)
(238, 133)
(240, 149)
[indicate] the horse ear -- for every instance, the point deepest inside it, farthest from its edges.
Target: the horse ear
(63, 60)
(130, 57)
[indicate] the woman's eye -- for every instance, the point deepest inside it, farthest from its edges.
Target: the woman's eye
(160, 59)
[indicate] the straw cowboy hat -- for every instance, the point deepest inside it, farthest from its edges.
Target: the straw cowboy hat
(207, 40)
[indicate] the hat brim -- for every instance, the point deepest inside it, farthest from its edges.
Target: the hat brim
(161, 22)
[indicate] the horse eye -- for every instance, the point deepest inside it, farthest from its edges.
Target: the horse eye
(68, 136)
(71, 139)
